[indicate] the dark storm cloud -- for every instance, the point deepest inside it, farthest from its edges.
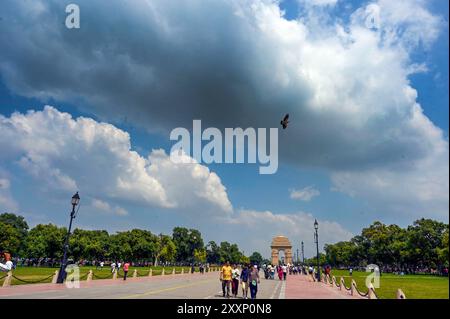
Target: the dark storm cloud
(161, 64)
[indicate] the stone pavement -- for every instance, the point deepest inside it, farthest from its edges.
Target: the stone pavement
(187, 286)
(303, 287)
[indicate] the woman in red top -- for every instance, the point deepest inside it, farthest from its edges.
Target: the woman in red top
(126, 266)
(280, 272)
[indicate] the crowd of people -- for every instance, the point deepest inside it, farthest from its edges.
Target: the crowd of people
(247, 277)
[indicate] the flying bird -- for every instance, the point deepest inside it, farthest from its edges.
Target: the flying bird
(285, 121)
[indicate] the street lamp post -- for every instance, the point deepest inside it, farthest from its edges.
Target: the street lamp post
(62, 271)
(303, 254)
(316, 238)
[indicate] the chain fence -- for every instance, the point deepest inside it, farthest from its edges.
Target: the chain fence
(110, 276)
(94, 276)
(32, 281)
(143, 275)
(340, 285)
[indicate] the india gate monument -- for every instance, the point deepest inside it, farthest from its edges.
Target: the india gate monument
(281, 243)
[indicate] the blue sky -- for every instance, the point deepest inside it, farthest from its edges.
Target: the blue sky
(357, 138)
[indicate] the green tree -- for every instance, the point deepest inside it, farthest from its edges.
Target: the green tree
(45, 241)
(20, 225)
(200, 255)
(425, 237)
(212, 253)
(143, 244)
(120, 247)
(186, 242)
(256, 258)
(18, 222)
(244, 260)
(166, 249)
(313, 260)
(443, 250)
(89, 244)
(229, 252)
(266, 261)
(424, 244)
(10, 238)
(225, 252)
(133, 245)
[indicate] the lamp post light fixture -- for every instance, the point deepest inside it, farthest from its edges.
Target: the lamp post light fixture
(316, 239)
(303, 254)
(62, 271)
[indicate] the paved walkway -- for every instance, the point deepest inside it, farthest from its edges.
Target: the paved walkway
(187, 286)
(303, 287)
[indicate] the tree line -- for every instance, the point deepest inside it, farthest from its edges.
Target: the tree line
(183, 246)
(422, 246)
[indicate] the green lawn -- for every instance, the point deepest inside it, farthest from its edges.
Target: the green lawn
(414, 286)
(42, 274)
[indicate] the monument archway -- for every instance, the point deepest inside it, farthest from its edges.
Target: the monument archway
(281, 243)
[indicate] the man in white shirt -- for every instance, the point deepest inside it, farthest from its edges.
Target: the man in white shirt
(8, 265)
(284, 267)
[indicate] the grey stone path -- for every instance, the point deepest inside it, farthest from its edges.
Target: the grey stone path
(187, 286)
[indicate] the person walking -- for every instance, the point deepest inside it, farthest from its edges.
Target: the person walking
(245, 275)
(280, 272)
(8, 265)
(284, 269)
(126, 266)
(113, 267)
(235, 274)
(254, 281)
(225, 278)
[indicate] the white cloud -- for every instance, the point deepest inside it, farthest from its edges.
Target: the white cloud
(415, 188)
(186, 184)
(4, 183)
(319, 2)
(66, 154)
(404, 23)
(353, 110)
(105, 207)
(120, 211)
(304, 194)
(7, 202)
(255, 230)
(101, 205)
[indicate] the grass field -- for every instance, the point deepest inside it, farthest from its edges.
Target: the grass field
(414, 286)
(44, 274)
